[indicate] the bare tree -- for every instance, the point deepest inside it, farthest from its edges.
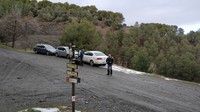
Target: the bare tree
(11, 27)
(30, 26)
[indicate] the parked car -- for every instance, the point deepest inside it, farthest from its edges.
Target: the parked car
(44, 49)
(63, 51)
(95, 58)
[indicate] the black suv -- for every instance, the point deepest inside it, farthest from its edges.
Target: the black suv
(44, 49)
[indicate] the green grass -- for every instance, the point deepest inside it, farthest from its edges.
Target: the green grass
(4, 46)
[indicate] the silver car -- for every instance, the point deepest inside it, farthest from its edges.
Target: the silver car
(44, 49)
(62, 51)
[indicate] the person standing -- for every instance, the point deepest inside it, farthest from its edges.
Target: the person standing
(81, 56)
(109, 62)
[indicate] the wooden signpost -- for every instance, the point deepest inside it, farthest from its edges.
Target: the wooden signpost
(72, 66)
(72, 75)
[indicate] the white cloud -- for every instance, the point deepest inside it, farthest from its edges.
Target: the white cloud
(188, 27)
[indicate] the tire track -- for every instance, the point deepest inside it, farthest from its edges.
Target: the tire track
(10, 71)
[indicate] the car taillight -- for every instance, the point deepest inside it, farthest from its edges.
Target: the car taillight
(99, 58)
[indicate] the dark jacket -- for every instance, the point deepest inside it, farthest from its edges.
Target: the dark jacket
(109, 61)
(81, 54)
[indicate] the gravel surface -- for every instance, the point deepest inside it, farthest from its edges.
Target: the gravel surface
(31, 80)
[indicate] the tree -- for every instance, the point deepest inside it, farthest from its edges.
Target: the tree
(92, 9)
(5, 7)
(11, 21)
(44, 3)
(141, 60)
(83, 35)
(30, 26)
(34, 8)
(46, 14)
(111, 19)
(11, 26)
(193, 37)
(136, 24)
(115, 43)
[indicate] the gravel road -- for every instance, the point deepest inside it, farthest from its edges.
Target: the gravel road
(32, 80)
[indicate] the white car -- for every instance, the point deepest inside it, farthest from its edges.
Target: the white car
(62, 51)
(95, 58)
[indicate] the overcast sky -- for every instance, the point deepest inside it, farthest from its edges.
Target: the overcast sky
(183, 13)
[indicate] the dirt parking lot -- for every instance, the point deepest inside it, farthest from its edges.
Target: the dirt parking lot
(31, 80)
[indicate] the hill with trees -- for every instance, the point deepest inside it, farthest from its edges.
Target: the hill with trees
(153, 47)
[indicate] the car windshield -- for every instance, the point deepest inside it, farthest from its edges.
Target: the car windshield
(65, 48)
(99, 54)
(49, 47)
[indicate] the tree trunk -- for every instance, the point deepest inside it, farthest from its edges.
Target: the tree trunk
(14, 34)
(26, 37)
(13, 41)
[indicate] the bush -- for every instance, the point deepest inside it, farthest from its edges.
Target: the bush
(141, 61)
(83, 35)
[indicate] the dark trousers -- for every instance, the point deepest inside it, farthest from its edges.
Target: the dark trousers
(81, 61)
(109, 70)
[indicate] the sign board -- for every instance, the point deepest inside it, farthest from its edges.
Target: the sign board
(73, 61)
(73, 80)
(72, 74)
(73, 98)
(71, 65)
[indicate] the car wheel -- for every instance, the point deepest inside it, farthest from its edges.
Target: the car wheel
(67, 56)
(36, 52)
(48, 53)
(56, 54)
(91, 63)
